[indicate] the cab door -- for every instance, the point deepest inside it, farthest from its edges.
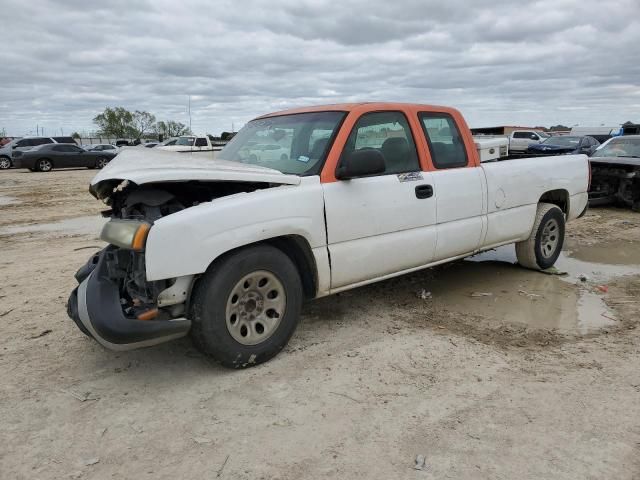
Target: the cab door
(460, 187)
(385, 223)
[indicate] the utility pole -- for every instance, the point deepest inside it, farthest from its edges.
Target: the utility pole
(190, 114)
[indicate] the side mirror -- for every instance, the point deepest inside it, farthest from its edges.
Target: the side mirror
(361, 163)
(534, 137)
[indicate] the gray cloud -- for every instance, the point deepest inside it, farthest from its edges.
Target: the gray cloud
(541, 62)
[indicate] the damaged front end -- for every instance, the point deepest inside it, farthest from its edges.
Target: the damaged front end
(114, 302)
(615, 183)
(116, 307)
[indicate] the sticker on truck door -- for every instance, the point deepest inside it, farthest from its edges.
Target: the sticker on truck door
(409, 177)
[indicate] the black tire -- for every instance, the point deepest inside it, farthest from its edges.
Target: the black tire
(284, 156)
(5, 163)
(211, 330)
(541, 250)
(43, 165)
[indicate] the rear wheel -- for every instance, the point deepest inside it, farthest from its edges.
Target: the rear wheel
(44, 165)
(541, 250)
(246, 307)
(5, 163)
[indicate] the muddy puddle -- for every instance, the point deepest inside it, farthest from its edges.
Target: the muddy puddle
(611, 253)
(90, 225)
(492, 286)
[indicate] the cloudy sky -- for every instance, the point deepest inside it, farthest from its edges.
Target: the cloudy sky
(500, 61)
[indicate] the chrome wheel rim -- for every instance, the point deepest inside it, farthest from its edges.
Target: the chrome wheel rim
(255, 307)
(102, 163)
(4, 163)
(44, 165)
(550, 238)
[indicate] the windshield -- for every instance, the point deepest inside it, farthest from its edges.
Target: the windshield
(295, 144)
(562, 141)
(543, 134)
(620, 147)
(185, 141)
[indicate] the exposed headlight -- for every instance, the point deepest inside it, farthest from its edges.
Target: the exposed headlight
(130, 234)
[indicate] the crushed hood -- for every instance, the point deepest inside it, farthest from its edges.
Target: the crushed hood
(142, 166)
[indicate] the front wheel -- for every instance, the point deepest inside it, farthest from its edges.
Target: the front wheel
(5, 163)
(102, 162)
(246, 307)
(541, 250)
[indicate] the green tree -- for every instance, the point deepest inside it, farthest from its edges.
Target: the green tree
(115, 122)
(172, 129)
(75, 135)
(142, 122)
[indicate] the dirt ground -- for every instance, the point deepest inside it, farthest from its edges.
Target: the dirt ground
(487, 370)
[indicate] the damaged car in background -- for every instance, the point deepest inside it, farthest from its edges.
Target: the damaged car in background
(615, 173)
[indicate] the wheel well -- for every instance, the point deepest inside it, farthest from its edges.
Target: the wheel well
(557, 197)
(298, 250)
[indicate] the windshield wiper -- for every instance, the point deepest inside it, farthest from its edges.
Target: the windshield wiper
(627, 156)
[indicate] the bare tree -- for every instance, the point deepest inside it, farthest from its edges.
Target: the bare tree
(143, 122)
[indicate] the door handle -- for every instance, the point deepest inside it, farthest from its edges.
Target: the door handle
(424, 191)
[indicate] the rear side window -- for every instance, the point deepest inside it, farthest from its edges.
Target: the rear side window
(59, 148)
(389, 133)
(201, 142)
(444, 139)
(522, 135)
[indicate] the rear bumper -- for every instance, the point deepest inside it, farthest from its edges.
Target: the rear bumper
(95, 308)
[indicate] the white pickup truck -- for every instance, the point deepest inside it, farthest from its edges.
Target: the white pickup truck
(227, 250)
(191, 143)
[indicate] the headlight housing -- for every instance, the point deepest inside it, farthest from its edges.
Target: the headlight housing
(129, 234)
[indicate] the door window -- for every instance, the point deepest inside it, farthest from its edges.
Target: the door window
(444, 139)
(389, 133)
(201, 142)
(526, 135)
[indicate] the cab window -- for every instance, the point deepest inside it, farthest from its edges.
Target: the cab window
(389, 133)
(445, 142)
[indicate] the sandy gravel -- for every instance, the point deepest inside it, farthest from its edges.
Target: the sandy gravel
(487, 370)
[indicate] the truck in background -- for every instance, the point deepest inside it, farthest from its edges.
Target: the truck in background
(191, 143)
(518, 139)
